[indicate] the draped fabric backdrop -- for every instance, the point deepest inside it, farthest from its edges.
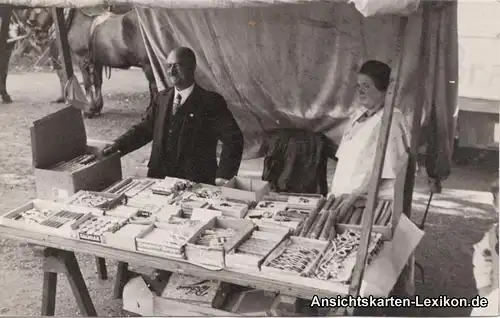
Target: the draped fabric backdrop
(294, 66)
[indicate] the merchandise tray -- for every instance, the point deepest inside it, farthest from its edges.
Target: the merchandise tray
(264, 243)
(112, 199)
(214, 256)
(306, 245)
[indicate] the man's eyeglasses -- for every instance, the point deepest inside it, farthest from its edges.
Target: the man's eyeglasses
(173, 65)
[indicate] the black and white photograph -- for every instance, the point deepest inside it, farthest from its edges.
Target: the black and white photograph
(249, 158)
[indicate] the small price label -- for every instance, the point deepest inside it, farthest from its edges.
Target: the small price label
(60, 193)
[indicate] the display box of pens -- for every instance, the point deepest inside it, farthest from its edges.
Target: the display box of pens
(383, 218)
(387, 211)
(65, 161)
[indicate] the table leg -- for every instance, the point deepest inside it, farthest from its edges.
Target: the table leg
(49, 294)
(101, 268)
(64, 262)
(122, 276)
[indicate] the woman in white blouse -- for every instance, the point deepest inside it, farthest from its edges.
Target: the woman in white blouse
(356, 153)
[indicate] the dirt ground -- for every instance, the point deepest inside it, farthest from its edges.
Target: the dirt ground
(457, 218)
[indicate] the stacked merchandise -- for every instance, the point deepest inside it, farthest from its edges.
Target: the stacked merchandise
(284, 236)
(188, 202)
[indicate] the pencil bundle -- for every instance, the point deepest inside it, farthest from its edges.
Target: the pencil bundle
(75, 164)
(321, 224)
(382, 216)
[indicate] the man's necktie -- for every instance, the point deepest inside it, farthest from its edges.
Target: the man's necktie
(176, 104)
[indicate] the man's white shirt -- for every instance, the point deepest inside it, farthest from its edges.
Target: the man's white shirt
(184, 93)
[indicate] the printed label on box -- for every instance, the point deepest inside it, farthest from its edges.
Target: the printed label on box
(60, 193)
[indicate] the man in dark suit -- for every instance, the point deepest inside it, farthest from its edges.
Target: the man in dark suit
(185, 123)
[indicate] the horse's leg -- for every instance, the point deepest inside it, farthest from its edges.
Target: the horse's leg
(61, 74)
(99, 102)
(87, 84)
(153, 89)
(5, 52)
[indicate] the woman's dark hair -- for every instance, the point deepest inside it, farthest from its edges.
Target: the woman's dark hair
(379, 72)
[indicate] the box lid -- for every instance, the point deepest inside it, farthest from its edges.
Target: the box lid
(57, 137)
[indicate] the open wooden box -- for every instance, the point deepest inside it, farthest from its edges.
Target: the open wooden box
(306, 243)
(55, 212)
(94, 235)
(59, 137)
(396, 208)
(265, 243)
(215, 256)
(112, 200)
(154, 239)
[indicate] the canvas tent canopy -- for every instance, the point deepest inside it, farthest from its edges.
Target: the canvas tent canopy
(293, 64)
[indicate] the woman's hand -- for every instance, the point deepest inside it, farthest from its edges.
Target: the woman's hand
(348, 200)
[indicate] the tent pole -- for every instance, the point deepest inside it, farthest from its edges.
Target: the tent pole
(62, 36)
(417, 113)
(5, 14)
(367, 221)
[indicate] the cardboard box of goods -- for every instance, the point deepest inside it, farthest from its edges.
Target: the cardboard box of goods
(245, 189)
(46, 217)
(229, 209)
(251, 252)
(94, 228)
(148, 202)
(288, 218)
(123, 212)
(100, 200)
(303, 202)
(124, 238)
(209, 246)
(56, 140)
(293, 257)
(131, 187)
(166, 240)
(195, 290)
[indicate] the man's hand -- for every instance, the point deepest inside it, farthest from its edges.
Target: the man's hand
(108, 150)
(220, 182)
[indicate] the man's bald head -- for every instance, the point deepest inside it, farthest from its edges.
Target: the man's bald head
(181, 65)
(186, 54)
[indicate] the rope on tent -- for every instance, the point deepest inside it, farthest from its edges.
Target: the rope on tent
(367, 221)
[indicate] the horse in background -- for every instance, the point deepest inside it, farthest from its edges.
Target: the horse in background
(111, 40)
(97, 39)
